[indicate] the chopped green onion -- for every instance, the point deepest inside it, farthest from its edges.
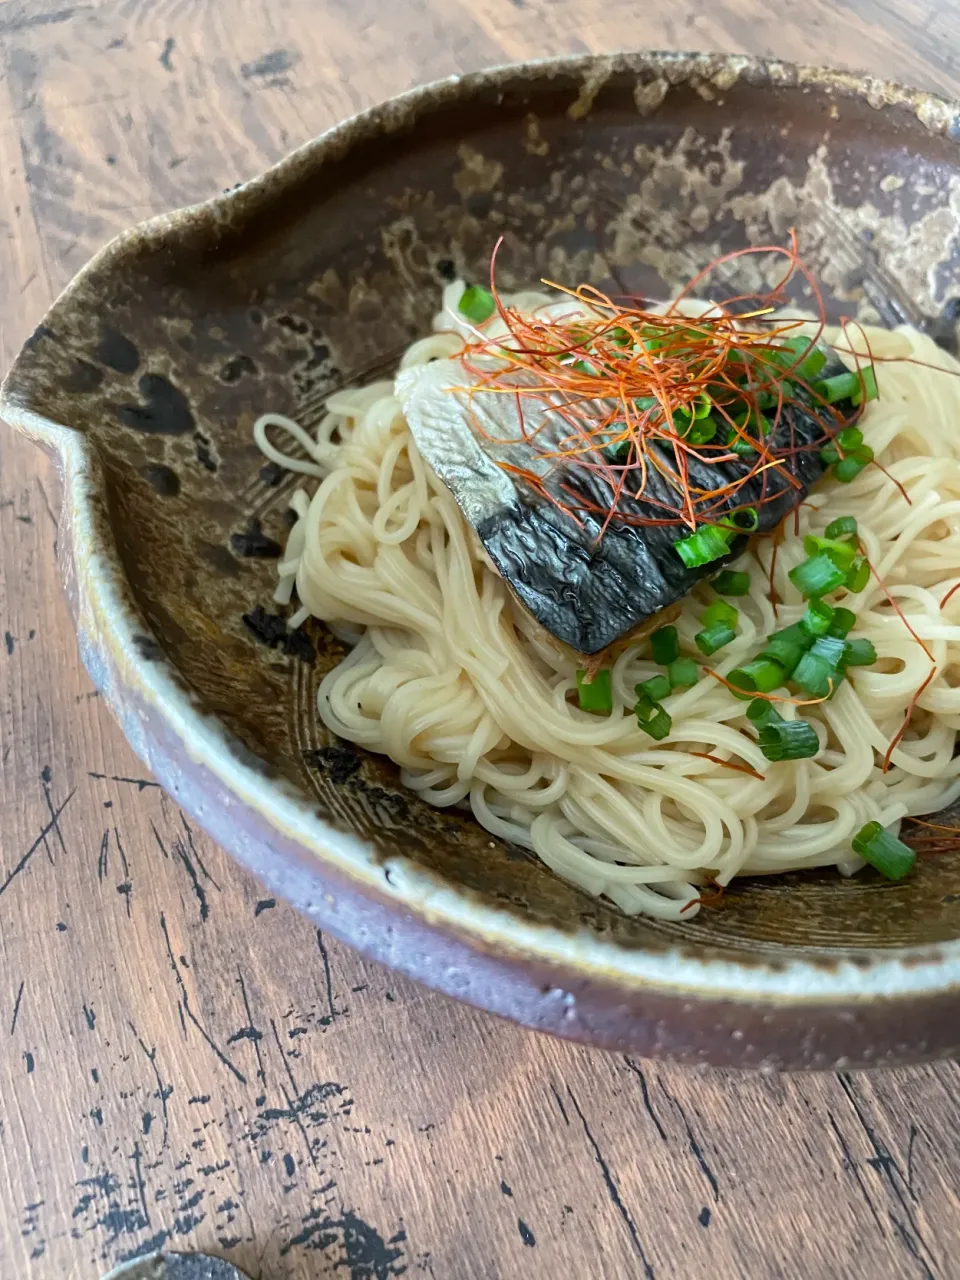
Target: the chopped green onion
(858, 653)
(829, 454)
(817, 576)
(760, 711)
(848, 439)
(744, 521)
(844, 525)
(720, 611)
(830, 648)
(665, 645)
(787, 646)
(476, 303)
(858, 575)
(683, 673)
(652, 718)
(738, 445)
(595, 694)
(848, 468)
(713, 638)
(841, 553)
(842, 624)
(701, 431)
(817, 619)
(870, 390)
(619, 452)
(731, 582)
(656, 688)
(708, 543)
(759, 676)
(788, 740)
(815, 675)
(842, 386)
(885, 853)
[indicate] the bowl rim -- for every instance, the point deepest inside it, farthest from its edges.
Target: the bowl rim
(111, 629)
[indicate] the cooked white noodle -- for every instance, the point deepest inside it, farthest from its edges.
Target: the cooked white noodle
(454, 681)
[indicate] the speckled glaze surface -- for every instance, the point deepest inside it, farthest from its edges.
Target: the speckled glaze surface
(143, 382)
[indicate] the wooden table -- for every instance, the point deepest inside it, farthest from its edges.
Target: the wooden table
(183, 1061)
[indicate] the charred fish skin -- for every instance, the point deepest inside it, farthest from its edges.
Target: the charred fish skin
(590, 586)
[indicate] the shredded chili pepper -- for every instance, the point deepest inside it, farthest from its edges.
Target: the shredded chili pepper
(907, 718)
(728, 764)
(711, 899)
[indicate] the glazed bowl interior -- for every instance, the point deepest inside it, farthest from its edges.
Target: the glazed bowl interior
(631, 173)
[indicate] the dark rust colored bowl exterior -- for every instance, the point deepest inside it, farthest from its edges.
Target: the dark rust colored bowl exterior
(143, 382)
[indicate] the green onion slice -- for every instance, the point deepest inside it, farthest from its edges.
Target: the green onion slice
(720, 611)
(817, 576)
(683, 673)
(848, 439)
(843, 621)
(762, 675)
(815, 675)
(596, 694)
(731, 582)
(656, 688)
(830, 648)
(888, 855)
(760, 711)
(841, 553)
(652, 718)
(844, 525)
(787, 646)
(848, 468)
(713, 638)
(476, 303)
(788, 740)
(870, 391)
(858, 653)
(858, 575)
(703, 546)
(665, 645)
(817, 619)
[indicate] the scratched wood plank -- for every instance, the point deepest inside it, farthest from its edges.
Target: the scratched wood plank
(183, 1061)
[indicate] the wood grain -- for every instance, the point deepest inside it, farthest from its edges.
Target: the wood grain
(183, 1061)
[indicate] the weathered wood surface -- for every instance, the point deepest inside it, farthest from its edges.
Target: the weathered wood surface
(183, 1061)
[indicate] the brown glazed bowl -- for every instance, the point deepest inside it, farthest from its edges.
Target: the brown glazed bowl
(143, 383)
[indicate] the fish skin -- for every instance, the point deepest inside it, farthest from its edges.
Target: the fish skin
(585, 590)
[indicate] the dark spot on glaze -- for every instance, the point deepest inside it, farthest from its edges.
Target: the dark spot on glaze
(340, 762)
(9, 641)
(274, 63)
(271, 629)
(479, 204)
(265, 904)
(234, 369)
(253, 543)
(147, 648)
(447, 269)
(294, 324)
(289, 1167)
(61, 927)
(111, 160)
(204, 456)
(166, 410)
(84, 376)
(271, 473)
(168, 47)
(526, 1235)
(704, 1217)
(162, 479)
(117, 352)
(219, 558)
(28, 1061)
(505, 1189)
(39, 333)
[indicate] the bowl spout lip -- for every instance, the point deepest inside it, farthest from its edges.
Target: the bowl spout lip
(144, 689)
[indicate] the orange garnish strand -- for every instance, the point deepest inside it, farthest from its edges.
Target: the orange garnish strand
(907, 718)
(706, 899)
(899, 612)
(615, 373)
(768, 697)
(953, 589)
(728, 764)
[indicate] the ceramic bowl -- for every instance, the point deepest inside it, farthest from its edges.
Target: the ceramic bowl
(143, 382)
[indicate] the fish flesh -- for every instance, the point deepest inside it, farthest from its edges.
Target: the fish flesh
(587, 590)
